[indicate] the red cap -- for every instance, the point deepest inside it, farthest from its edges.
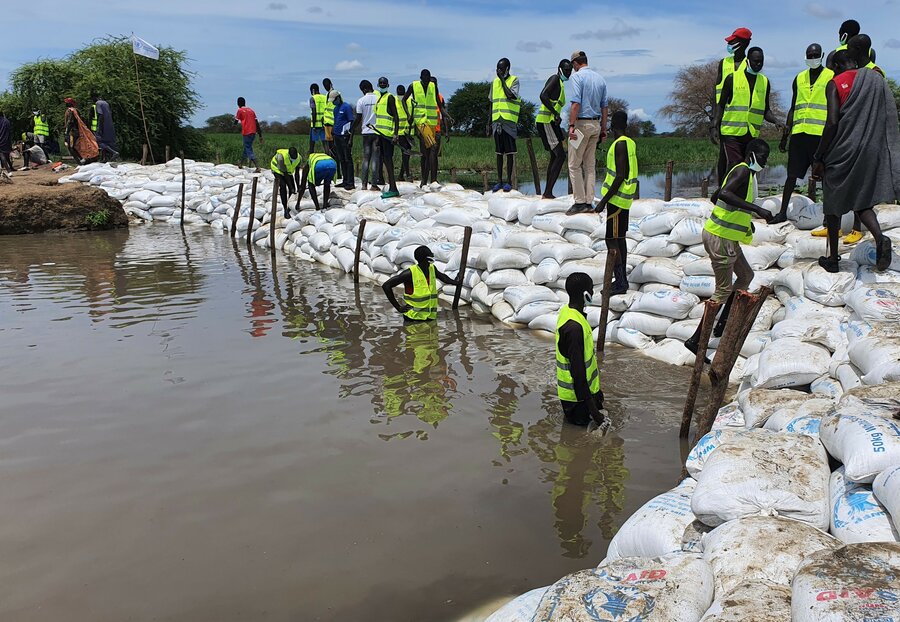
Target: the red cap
(69, 100)
(740, 33)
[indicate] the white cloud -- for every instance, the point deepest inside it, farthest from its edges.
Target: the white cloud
(276, 6)
(354, 47)
(892, 43)
(619, 30)
(533, 46)
(640, 113)
(822, 12)
(348, 65)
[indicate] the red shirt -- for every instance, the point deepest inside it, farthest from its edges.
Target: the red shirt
(248, 120)
(844, 84)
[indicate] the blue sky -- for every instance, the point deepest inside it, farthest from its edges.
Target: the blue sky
(269, 51)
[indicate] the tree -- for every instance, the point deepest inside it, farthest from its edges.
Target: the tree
(648, 128)
(221, 123)
(470, 109)
(633, 129)
(108, 66)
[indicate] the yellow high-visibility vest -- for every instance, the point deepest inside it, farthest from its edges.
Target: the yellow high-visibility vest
(423, 301)
(40, 126)
(384, 122)
(565, 385)
(625, 195)
(546, 115)
(811, 107)
(321, 102)
(745, 112)
(406, 128)
(732, 223)
(290, 165)
(501, 106)
(727, 70)
(94, 118)
(425, 111)
(315, 158)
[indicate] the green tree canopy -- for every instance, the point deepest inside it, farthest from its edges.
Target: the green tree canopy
(108, 67)
(471, 111)
(221, 123)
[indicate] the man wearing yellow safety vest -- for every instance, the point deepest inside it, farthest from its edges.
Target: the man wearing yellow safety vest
(619, 189)
(387, 126)
(285, 165)
(317, 105)
(40, 128)
(805, 123)
(319, 169)
(505, 106)
(420, 287)
(553, 98)
(407, 130)
(329, 123)
(729, 226)
(744, 107)
(847, 31)
(736, 46)
(577, 373)
(425, 105)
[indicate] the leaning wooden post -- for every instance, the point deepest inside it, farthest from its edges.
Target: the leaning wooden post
(611, 258)
(183, 184)
(515, 174)
(463, 265)
(744, 310)
(218, 157)
(704, 187)
(144, 151)
(534, 167)
(811, 190)
(252, 211)
(484, 180)
(452, 174)
(637, 189)
(670, 167)
(273, 215)
(237, 209)
(359, 242)
(706, 325)
(168, 153)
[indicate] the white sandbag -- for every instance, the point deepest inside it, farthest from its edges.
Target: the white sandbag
(757, 473)
(763, 320)
(865, 254)
(521, 608)
(827, 288)
(760, 404)
(657, 270)
(673, 587)
(505, 207)
(824, 330)
(868, 275)
(888, 216)
(457, 216)
(502, 259)
(687, 232)
(700, 286)
(421, 237)
(594, 268)
(729, 416)
(345, 258)
(657, 246)
(632, 338)
(876, 304)
(887, 490)
(857, 582)
(657, 527)
(755, 343)
(391, 234)
(759, 601)
(520, 296)
(810, 247)
(670, 303)
(532, 310)
(826, 386)
(877, 354)
(560, 251)
(699, 267)
(502, 311)
(485, 295)
(644, 207)
(161, 212)
(648, 324)
(790, 363)
(622, 302)
(682, 330)
(545, 322)
(586, 222)
(547, 271)
(662, 223)
(527, 240)
(763, 256)
(320, 242)
(670, 351)
(849, 376)
(700, 453)
(761, 548)
(684, 258)
(856, 515)
(866, 443)
(501, 279)
(578, 237)
(550, 222)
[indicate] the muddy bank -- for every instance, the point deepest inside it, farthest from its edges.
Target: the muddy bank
(34, 202)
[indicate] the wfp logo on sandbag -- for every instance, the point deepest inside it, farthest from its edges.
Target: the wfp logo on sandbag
(619, 603)
(859, 507)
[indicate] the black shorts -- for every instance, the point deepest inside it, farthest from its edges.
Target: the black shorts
(504, 143)
(616, 222)
(577, 413)
(551, 135)
(801, 152)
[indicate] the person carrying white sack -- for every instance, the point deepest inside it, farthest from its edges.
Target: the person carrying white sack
(729, 226)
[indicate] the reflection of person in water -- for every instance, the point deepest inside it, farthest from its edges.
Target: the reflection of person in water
(502, 404)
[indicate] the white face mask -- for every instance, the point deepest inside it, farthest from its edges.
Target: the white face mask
(588, 297)
(844, 38)
(813, 63)
(563, 76)
(755, 166)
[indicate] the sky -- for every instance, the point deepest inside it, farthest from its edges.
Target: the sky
(270, 51)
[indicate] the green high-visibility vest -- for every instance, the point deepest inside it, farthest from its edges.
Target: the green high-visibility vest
(425, 111)
(94, 118)
(423, 301)
(384, 122)
(315, 158)
(811, 107)
(744, 113)
(501, 106)
(321, 102)
(328, 117)
(40, 126)
(624, 197)
(727, 70)
(545, 115)
(729, 222)
(406, 128)
(565, 385)
(291, 165)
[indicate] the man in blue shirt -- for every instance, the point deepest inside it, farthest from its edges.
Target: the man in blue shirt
(587, 127)
(343, 138)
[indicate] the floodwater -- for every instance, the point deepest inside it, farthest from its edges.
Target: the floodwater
(188, 432)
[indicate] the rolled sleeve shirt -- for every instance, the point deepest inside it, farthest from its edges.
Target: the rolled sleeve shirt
(587, 88)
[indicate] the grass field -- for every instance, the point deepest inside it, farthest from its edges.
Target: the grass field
(468, 154)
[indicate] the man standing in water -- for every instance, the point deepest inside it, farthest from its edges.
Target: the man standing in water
(577, 373)
(505, 105)
(736, 61)
(420, 287)
(553, 98)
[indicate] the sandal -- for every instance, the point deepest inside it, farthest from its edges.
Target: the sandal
(830, 264)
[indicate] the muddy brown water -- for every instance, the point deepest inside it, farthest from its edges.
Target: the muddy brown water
(188, 432)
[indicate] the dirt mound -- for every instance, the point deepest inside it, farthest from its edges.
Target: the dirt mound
(36, 203)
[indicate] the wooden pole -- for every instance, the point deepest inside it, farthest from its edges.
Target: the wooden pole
(611, 254)
(484, 180)
(744, 310)
(272, 216)
(534, 167)
(706, 325)
(137, 77)
(183, 184)
(463, 265)
(515, 174)
(452, 174)
(359, 242)
(704, 187)
(252, 211)
(637, 189)
(811, 190)
(168, 153)
(670, 167)
(144, 151)
(237, 209)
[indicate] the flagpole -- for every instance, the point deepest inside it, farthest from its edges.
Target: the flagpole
(141, 99)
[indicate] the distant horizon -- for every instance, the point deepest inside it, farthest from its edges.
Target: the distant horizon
(270, 52)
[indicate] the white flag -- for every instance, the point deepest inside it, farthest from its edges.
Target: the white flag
(142, 48)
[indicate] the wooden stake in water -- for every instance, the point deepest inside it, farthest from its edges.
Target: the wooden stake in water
(359, 241)
(670, 168)
(144, 151)
(183, 183)
(534, 166)
(706, 326)
(484, 180)
(704, 187)
(272, 216)
(463, 265)
(168, 153)
(252, 211)
(237, 209)
(611, 255)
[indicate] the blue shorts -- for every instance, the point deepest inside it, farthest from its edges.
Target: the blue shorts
(317, 134)
(325, 171)
(248, 146)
